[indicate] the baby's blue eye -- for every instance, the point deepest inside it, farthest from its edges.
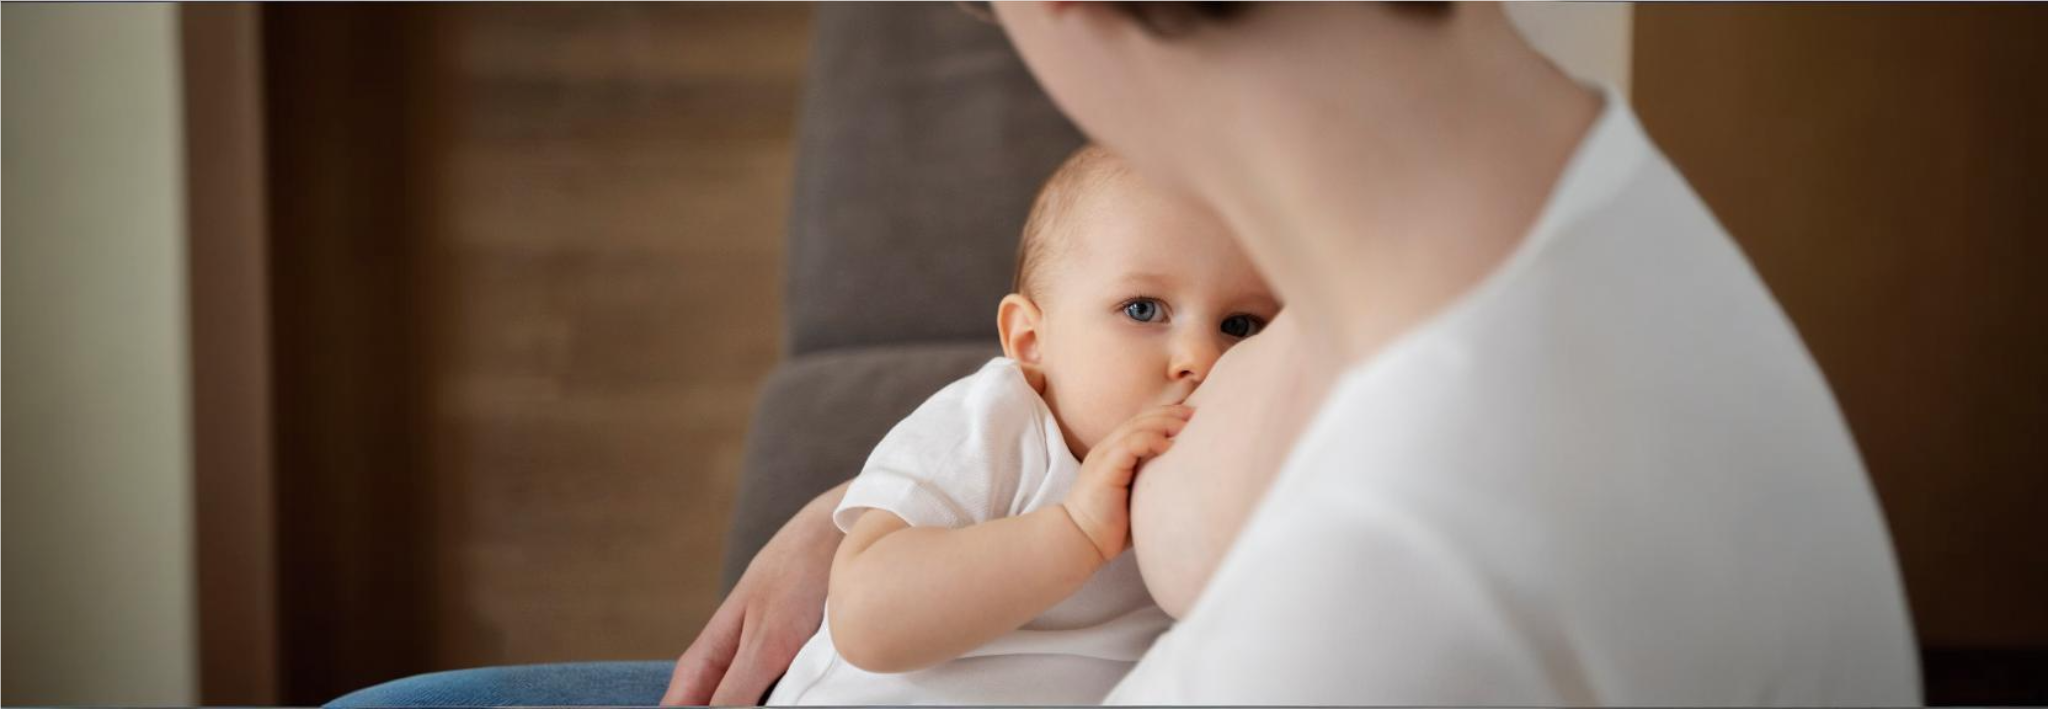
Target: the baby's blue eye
(1242, 326)
(1141, 310)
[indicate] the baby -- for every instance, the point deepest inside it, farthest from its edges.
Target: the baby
(984, 555)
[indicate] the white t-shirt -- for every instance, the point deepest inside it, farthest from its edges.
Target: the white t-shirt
(1610, 474)
(984, 448)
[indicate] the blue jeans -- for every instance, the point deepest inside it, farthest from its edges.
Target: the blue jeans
(565, 684)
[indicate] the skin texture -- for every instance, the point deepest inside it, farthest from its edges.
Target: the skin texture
(1190, 503)
(905, 598)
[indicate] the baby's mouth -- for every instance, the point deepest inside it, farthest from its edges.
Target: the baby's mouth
(1177, 392)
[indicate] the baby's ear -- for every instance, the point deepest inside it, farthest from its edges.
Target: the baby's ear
(1018, 320)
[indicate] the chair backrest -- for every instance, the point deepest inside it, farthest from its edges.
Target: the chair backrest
(921, 143)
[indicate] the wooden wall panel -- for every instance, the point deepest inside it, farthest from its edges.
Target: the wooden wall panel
(527, 276)
(234, 509)
(343, 117)
(1885, 168)
(606, 263)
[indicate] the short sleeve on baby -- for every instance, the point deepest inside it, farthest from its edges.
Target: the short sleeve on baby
(983, 448)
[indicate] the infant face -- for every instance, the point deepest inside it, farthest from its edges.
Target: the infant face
(1148, 291)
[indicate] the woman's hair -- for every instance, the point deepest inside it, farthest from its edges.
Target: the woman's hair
(1174, 19)
(1168, 20)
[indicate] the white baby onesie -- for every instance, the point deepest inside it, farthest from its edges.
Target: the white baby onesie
(983, 448)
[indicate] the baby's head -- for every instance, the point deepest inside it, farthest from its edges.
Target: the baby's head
(1125, 296)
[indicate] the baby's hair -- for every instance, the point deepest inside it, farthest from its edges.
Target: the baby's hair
(1088, 170)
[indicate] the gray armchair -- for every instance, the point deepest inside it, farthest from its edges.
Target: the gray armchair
(921, 142)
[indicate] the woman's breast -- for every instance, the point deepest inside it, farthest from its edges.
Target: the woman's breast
(1188, 504)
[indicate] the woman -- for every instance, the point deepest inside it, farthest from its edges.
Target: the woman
(1531, 432)
(1573, 452)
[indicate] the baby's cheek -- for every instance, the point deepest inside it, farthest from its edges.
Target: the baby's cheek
(1083, 411)
(1098, 416)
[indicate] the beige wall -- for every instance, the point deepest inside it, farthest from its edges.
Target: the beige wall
(98, 550)
(1588, 40)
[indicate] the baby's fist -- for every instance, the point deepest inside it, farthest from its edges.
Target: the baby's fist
(1100, 501)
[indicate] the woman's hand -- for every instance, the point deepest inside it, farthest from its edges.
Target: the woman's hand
(1100, 502)
(770, 614)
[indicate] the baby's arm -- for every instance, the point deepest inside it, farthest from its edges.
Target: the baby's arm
(903, 598)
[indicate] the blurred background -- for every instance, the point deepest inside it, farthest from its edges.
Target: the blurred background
(347, 342)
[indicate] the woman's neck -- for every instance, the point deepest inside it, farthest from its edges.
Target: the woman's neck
(1417, 164)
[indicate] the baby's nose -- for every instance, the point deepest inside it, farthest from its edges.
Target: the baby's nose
(1193, 361)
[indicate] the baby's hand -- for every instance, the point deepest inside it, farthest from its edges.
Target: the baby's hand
(1100, 501)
